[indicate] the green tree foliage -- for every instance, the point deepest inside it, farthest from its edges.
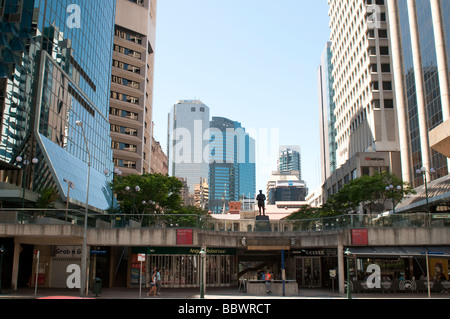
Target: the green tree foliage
(367, 192)
(156, 197)
(47, 198)
(156, 193)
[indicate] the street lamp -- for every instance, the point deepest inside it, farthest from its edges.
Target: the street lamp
(137, 189)
(84, 248)
(202, 277)
(108, 174)
(25, 163)
(391, 189)
(70, 185)
(349, 293)
(423, 171)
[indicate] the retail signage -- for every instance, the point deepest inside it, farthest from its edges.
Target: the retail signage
(360, 237)
(184, 251)
(184, 237)
(67, 251)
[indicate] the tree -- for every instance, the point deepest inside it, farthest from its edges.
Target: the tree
(47, 197)
(148, 193)
(366, 192)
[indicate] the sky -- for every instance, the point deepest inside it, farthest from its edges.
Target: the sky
(252, 61)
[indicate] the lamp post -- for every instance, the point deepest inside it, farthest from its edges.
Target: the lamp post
(2, 252)
(137, 189)
(25, 163)
(423, 171)
(108, 174)
(202, 277)
(84, 248)
(392, 189)
(349, 293)
(70, 185)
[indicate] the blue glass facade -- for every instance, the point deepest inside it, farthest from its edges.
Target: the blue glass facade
(59, 73)
(232, 169)
(430, 80)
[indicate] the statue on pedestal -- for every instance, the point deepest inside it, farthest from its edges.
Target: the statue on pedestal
(261, 198)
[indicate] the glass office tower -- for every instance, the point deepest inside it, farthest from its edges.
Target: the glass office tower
(55, 70)
(187, 145)
(421, 82)
(232, 169)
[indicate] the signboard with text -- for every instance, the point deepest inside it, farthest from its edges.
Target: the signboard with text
(184, 237)
(360, 237)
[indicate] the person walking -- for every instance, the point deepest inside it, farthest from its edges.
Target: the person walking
(268, 279)
(158, 281)
(152, 285)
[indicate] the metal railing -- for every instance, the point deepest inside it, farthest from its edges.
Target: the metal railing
(95, 220)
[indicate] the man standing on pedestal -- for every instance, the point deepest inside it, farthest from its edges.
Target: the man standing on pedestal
(261, 198)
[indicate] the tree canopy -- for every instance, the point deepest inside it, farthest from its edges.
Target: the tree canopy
(367, 192)
(154, 195)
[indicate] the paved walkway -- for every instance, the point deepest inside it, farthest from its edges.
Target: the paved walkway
(211, 293)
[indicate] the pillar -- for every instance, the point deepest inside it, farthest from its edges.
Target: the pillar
(400, 94)
(420, 88)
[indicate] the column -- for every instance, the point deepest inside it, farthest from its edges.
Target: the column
(420, 89)
(15, 268)
(441, 57)
(401, 104)
(341, 271)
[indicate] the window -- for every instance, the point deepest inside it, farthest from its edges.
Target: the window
(386, 68)
(384, 50)
(389, 104)
(387, 85)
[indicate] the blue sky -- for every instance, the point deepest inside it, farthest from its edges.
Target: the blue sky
(252, 61)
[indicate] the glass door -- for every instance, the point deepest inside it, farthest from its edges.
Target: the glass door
(308, 272)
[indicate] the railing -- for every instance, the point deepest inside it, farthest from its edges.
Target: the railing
(76, 217)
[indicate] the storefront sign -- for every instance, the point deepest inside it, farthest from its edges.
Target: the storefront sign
(360, 237)
(67, 251)
(183, 251)
(184, 236)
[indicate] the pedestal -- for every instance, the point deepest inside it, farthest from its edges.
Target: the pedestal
(262, 224)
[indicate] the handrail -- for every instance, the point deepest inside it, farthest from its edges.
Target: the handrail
(119, 220)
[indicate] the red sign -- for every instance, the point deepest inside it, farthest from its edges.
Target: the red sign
(360, 237)
(184, 237)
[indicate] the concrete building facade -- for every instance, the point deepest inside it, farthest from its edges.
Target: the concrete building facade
(131, 100)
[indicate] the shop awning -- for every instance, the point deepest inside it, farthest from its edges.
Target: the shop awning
(396, 251)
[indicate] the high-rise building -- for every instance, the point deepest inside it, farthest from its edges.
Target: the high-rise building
(327, 124)
(232, 169)
(289, 159)
(367, 137)
(363, 85)
(286, 186)
(420, 37)
(188, 141)
(132, 86)
(55, 71)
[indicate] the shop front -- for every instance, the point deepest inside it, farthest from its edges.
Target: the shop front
(180, 266)
(313, 267)
(392, 269)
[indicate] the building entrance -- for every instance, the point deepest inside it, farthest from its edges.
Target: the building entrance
(308, 272)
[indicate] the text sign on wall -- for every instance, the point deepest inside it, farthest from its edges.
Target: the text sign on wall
(360, 237)
(184, 237)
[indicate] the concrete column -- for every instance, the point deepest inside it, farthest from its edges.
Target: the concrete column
(341, 267)
(443, 68)
(420, 88)
(441, 55)
(15, 268)
(400, 93)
